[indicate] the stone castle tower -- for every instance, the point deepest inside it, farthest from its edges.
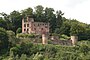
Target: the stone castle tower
(44, 39)
(74, 40)
(29, 26)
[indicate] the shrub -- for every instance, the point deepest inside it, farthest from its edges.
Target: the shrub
(3, 38)
(19, 30)
(21, 35)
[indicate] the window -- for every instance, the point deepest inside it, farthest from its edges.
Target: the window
(27, 25)
(24, 29)
(43, 24)
(38, 24)
(34, 28)
(24, 25)
(41, 28)
(46, 27)
(27, 29)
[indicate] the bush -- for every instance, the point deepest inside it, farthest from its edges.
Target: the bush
(19, 30)
(21, 35)
(3, 38)
(64, 37)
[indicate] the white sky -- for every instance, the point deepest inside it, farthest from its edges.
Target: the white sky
(74, 9)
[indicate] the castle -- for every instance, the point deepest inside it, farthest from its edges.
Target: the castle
(41, 28)
(29, 26)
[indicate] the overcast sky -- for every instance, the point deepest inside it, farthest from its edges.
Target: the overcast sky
(74, 9)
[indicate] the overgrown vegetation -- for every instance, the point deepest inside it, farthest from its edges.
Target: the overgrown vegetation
(30, 51)
(14, 48)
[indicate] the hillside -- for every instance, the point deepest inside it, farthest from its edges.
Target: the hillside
(21, 47)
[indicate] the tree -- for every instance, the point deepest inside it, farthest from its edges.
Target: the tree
(2, 23)
(27, 12)
(38, 56)
(16, 20)
(11, 56)
(23, 57)
(38, 14)
(57, 31)
(51, 18)
(65, 28)
(12, 38)
(3, 39)
(19, 30)
(12, 21)
(59, 20)
(76, 29)
(8, 24)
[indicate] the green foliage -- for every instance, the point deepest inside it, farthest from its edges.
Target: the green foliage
(3, 39)
(15, 19)
(57, 31)
(27, 12)
(59, 18)
(23, 57)
(64, 37)
(25, 35)
(19, 30)
(12, 21)
(57, 52)
(65, 28)
(51, 18)
(12, 38)
(21, 49)
(76, 29)
(29, 51)
(38, 57)
(40, 14)
(2, 23)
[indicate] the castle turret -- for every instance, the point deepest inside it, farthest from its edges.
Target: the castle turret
(23, 25)
(44, 39)
(74, 40)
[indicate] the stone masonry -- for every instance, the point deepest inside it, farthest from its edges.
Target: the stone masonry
(29, 26)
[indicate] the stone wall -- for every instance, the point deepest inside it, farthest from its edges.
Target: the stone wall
(29, 26)
(69, 42)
